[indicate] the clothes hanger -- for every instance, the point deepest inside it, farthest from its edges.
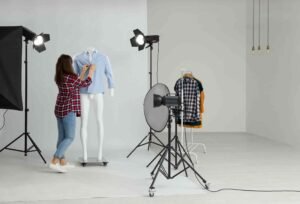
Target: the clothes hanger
(188, 74)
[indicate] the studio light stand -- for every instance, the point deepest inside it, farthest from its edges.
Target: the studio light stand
(25, 134)
(176, 150)
(177, 147)
(140, 41)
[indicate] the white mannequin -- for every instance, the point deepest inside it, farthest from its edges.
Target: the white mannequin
(97, 101)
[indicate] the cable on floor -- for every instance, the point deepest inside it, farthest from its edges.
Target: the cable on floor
(248, 190)
(238, 189)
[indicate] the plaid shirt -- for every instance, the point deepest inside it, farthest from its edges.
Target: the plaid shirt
(68, 99)
(191, 97)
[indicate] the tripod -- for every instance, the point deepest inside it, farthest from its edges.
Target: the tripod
(165, 155)
(178, 146)
(25, 133)
(150, 134)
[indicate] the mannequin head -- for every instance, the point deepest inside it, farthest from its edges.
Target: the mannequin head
(63, 66)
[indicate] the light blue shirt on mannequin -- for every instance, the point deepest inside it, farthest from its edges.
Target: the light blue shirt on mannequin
(103, 71)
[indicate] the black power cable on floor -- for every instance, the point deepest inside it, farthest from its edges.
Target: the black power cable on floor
(248, 190)
(3, 120)
(237, 189)
(254, 190)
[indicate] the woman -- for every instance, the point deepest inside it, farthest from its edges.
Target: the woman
(67, 106)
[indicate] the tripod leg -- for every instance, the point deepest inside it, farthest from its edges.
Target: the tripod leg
(137, 146)
(185, 153)
(161, 160)
(150, 139)
(158, 166)
(12, 142)
(158, 139)
(159, 154)
(176, 145)
(37, 148)
(182, 162)
(192, 168)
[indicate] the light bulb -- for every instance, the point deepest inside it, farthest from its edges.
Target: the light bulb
(140, 39)
(39, 40)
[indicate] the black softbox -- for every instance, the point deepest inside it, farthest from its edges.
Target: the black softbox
(11, 67)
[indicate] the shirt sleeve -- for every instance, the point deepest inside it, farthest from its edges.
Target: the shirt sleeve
(200, 86)
(202, 96)
(78, 83)
(108, 73)
(176, 87)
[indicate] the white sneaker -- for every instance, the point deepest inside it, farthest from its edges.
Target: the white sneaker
(68, 166)
(57, 168)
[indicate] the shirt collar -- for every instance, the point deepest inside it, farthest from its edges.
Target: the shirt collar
(89, 49)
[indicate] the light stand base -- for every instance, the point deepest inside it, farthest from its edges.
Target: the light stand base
(25, 133)
(26, 149)
(159, 168)
(150, 135)
(166, 154)
(93, 161)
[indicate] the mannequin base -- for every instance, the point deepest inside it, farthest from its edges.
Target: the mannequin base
(93, 162)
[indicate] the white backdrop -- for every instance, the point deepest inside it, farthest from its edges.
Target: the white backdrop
(207, 37)
(273, 85)
(75, 25)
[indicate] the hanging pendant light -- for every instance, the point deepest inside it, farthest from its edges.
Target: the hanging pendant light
(258, 47)
(253, 20)
(268, 25)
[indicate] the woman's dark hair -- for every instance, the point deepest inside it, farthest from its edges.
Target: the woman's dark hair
(63, 66)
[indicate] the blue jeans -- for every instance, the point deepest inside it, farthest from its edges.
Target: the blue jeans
(66, 133)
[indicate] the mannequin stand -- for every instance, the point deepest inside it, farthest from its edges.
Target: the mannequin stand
(93, 161)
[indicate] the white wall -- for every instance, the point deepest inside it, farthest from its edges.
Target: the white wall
(74, 26)
(273, 85)
(207, 37)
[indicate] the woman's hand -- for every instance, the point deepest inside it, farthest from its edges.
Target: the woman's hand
(83, 71)
(92, 69)
(84, 68)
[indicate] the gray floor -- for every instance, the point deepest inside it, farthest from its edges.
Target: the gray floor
(236, 160)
